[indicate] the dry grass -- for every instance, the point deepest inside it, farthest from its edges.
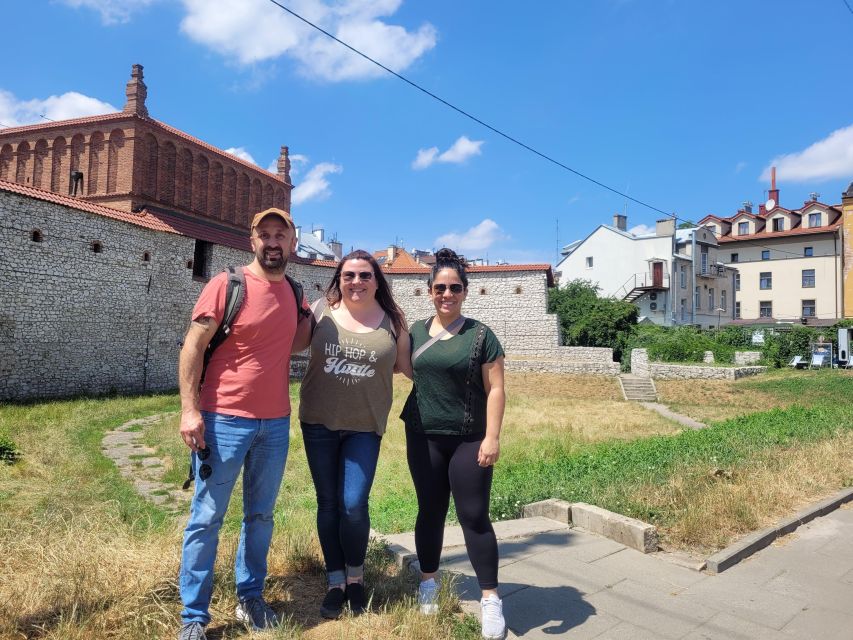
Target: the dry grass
(716, 506)
(716, 400)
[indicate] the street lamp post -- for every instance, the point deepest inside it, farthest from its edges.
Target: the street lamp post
(719, 311)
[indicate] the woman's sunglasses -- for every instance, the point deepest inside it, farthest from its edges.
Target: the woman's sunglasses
(441, 288)
(349, 276)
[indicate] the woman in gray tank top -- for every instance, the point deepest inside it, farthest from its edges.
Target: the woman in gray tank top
(359, 337)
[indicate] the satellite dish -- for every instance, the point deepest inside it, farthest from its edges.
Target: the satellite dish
(770, 204)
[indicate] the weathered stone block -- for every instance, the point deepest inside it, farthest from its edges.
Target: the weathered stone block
(553, 508)
(628, 531)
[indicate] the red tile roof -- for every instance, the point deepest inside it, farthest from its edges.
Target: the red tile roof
(60, 124)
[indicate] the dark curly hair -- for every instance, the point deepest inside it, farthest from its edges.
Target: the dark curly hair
(447, 259)
(383, 291)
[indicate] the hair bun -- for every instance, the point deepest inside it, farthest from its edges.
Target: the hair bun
(446, 255)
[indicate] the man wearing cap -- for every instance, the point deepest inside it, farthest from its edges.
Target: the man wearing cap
(239, 419)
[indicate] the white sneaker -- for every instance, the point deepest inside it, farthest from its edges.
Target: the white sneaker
(428, 597)
(492, 618)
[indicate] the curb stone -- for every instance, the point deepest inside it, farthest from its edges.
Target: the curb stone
(752, 543)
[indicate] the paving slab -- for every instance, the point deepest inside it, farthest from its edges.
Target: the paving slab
(817, 622)
(627, 631)
(724, 626)
(650, 571)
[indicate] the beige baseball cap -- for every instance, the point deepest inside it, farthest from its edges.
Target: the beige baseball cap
(272, 211)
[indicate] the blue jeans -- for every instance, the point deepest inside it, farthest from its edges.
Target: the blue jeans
(343, 464)
(259, 447)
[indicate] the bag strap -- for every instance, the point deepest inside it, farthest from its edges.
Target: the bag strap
(299, 294)
(235, 293)
(453, 325)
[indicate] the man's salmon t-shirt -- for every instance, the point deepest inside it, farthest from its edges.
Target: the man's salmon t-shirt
(248, 373)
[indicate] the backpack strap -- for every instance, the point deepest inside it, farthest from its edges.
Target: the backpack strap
(299, 294)
(426, 345)
(473, 366)
(235, 293)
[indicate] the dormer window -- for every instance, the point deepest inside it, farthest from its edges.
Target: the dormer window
(814, 220)
(743, 228)
(778, 224)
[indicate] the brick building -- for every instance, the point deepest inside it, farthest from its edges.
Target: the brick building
(130, 161)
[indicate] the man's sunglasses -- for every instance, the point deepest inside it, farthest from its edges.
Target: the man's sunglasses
(441, 288)
(349, 276)
(205, 470)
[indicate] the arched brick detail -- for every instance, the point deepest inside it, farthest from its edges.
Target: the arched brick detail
(7, 157)
(215, 193)
(184, 179)
(200, 184)
(23, 169)
(255, 197)
(78, 146)
(59, 166)
(242, 199)
(229, 195)
(114, 157)
(39, 161)
(280, 200)
(151, 163)
(166, 179)
(96, 153)
(268, 197)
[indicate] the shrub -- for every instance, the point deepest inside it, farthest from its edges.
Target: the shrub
(8, 451)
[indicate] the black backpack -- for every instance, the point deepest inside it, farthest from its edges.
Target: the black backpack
(235, 292)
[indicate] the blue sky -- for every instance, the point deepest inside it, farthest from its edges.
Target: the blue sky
(683, 104)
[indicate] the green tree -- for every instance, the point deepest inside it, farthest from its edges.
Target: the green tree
(589, 321)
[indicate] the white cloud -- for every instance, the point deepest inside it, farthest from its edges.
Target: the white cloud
(477, 238)
(252, 31)
(826, 159)
(112, 11)
(642, 229)
(459, 152)
(14, 112)
(315, 186)
(241, 153)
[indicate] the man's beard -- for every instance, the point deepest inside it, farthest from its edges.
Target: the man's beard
(272, 265)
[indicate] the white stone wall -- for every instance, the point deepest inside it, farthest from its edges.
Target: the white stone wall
(747, 357)
(662, 371)
(78, 322)
(640, 362)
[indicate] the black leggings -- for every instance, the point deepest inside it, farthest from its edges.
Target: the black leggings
(441, 465)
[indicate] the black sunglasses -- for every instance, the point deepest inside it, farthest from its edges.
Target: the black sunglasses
(441, 288)
(205, 470)
(349, 276)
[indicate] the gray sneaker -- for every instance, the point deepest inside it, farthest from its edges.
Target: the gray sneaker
(256, 613)
(192, 631)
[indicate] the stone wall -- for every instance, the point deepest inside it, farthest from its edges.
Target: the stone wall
(98, 304)
(640, 363)
(662, 371)
(747, 357)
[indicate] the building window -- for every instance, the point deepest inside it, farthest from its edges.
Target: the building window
(36, 236)
(734, 258)
(518, 290)
(743, 228)
(96, 246)
(417, 292)
(683, 277)
(808, 308)
(704, 255)
(765, 309)
(723, 296)
(808, 278)
(201, 260)
(589, 262)
(765, 255)
(697, 299)
(778, 224)
(711, 299)
(814, 220)
(808, 252)
(737, 281)
(483, 291)
(146, 256)
(765, 280)
(683, 309)
(737, 310)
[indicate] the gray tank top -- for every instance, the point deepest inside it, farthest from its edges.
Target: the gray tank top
(348, 384)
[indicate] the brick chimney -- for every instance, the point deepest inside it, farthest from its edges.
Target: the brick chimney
(620, 221)
(773, 194)
(136, 93)
(284, 164)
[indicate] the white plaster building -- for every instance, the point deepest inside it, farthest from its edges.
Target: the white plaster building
(656, 271)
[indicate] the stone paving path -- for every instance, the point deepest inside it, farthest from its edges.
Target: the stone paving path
(666, 412)
(560, 582)
(139, 464)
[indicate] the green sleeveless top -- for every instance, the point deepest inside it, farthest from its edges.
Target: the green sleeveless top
(348, 384)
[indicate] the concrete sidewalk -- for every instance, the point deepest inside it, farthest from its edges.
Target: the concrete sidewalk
(565, 583)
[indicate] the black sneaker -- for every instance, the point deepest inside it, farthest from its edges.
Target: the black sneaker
(333, 604)
(356, 597)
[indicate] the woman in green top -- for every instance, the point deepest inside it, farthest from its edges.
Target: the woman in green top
(359, 337)
(453, 422)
